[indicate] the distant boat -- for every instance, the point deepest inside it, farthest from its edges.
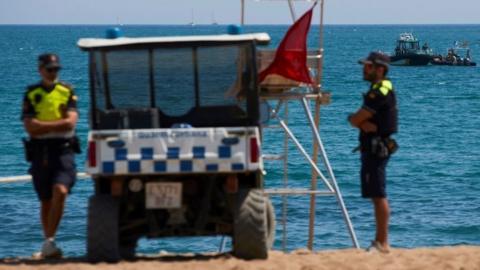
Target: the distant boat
(458, 55)
(214, 22)
(408, 52)
(192, 21)
(118, 22)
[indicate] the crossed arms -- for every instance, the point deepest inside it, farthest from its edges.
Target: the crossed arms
(36, 127)
(360, 120)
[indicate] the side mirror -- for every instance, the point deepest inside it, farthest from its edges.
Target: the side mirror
(264, 112)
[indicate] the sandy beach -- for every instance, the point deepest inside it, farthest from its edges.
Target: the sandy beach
(459, 257)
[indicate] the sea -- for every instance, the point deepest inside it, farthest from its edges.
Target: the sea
(433, 180)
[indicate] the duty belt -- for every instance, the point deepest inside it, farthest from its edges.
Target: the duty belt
(381, 147)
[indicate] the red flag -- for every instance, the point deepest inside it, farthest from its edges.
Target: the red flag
(291, 56)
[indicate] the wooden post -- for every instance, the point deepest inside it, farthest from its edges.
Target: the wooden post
(311, 231)
(285, 183)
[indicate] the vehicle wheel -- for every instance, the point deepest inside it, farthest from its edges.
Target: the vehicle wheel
(252, 231)
(271, 224)
(127, 251)
(102, 229)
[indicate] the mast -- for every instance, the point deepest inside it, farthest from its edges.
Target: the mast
(192, 21)
(214, 22)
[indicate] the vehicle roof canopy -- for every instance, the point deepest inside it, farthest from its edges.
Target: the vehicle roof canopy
(127, 42)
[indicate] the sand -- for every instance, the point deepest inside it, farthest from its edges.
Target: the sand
(459, 257)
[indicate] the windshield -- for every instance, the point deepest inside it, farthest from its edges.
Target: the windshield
(174, 80)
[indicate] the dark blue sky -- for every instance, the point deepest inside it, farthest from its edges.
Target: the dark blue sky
(228, 11)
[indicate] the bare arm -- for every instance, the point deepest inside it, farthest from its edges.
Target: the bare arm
(36, 127)
(360, 120)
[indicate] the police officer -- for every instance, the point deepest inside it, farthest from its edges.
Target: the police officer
(50, 115)
(377, 121)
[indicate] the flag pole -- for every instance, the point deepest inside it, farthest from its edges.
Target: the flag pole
(292, 10)
(320, 63)
(242, 19)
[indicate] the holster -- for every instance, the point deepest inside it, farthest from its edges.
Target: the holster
(44, 147)
(75, 145)
(380, 147)
(391, 145)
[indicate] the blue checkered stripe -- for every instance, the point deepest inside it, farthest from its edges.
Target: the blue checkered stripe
(173, 159)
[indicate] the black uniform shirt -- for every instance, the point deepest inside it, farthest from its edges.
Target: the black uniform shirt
(380, 100)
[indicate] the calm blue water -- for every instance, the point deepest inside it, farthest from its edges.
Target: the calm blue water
(433, 181)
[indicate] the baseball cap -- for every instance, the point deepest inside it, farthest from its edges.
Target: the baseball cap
(49, 60)
(376, 58)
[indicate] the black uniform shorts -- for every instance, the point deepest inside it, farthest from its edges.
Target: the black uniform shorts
(373, 176)
(52, 164)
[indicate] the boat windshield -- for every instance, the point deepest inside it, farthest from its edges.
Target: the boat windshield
(173, 79)
(408, 45)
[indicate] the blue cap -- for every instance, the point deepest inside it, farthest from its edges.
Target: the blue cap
(114, 33)
(49, 60)
(234, 29)
(376, 58)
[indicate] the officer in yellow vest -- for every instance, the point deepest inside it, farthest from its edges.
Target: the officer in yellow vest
(377, 121)
(50, 115)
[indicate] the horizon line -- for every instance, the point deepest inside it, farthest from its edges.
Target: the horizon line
(208, 24)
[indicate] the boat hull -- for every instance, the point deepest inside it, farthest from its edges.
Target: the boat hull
(458, 64)
(410, 60)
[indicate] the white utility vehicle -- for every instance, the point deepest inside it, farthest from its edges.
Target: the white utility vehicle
(174, 145)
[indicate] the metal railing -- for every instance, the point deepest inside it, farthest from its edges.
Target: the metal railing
(26, 178)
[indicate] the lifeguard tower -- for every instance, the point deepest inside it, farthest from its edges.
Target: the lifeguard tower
(279, 94)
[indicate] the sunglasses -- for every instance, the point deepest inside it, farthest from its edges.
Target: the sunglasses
(52, 70)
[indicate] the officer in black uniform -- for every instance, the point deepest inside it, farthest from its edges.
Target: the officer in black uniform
(50, 115)
(377, 121)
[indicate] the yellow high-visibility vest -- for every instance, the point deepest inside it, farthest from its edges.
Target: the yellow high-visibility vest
(50, 106)
(384, 87)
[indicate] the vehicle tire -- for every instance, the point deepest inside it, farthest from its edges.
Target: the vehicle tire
(271, 223)
(252, 231)
(127, 251)
(102, 229)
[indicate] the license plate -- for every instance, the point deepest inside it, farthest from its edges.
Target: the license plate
(163, 195)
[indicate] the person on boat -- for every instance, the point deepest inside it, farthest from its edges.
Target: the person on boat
(449, 56)
(468, 58)
(398, 51)
(376, 121)
(454, 59)
(49, 116)
(425, 47)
